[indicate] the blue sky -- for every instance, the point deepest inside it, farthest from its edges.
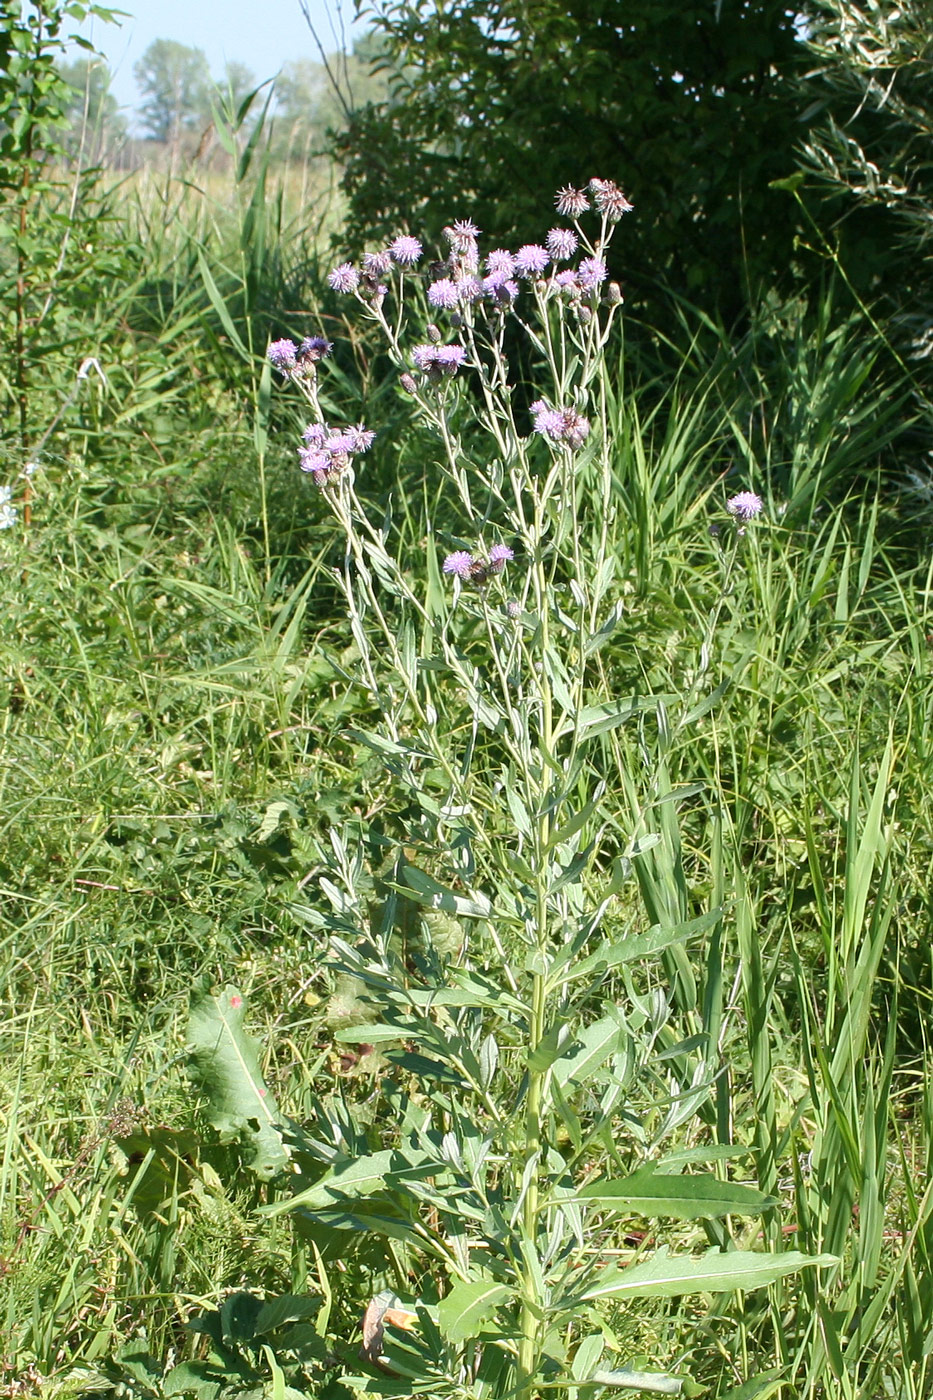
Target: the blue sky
(263, 34)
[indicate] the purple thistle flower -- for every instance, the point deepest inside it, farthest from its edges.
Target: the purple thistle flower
(313, 348)
(499, 556)
(424, 356)
(315, 434)
(531, 260)
(341, 444)
(549, 422)
(470, 289)
(500, 289)
(405, 250)
(500, 260)
(745, 506)
(444, 293)
(377, 264)
(344, 278)
(281, 356)
(363, 438)
(567, 280)
(560, 424)
(570, 202)
(459, 563)
(449, 358)
(562, 243)
(591, 273)
(461, 234)
(313, 459)
(609, 199)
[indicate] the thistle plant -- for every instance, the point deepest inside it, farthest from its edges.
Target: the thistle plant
(537, 1076)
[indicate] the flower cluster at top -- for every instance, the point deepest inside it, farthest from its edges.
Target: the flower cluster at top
(560, 425)
(298, 361)
(745, 506)
(466, 278)
(328, 451)
(478, 571)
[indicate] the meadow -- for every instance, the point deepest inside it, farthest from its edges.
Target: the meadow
(583, 899)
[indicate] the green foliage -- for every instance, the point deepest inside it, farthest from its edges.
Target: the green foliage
(225, 1066)
(870, 148)
(693, 107)
(175, 84)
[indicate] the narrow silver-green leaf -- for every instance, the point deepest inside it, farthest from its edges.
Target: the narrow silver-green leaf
(671, 1276)
(648, 1382)
(594, 1046)
(650, 1193)
(353, 1180)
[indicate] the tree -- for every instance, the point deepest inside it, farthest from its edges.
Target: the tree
(176, 85)
(690, 104)
(314, 97)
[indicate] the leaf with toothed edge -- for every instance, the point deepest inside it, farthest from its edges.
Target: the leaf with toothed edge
(224, 1063)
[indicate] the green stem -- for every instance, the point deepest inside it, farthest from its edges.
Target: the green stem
(529, 1343)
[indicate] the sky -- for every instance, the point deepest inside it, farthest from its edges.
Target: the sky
(263, 34)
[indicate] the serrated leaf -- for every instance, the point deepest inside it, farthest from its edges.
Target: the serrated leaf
(224, 1062)
(671, 1276)
(467, 1306)
(651, 1194)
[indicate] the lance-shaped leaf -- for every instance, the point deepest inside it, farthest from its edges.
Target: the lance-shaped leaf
(361, 1177)
(671, 1276)
(650, 1193)
(467, 1306)
(224, 1062)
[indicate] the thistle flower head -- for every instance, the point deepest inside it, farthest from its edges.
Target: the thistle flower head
(377, 264)
(745, 506)
(499, 556)
(560, 425)
(459, 563)
(531, 260)
(609, 199)
(500, 288)
(405, 250)
(444, 293)
(282, 356)
(570, 202)
(424, 357)
(561, 243)
(591, 274)
(500, 260)
(449, 358)
(462, 234)
(344, 278)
